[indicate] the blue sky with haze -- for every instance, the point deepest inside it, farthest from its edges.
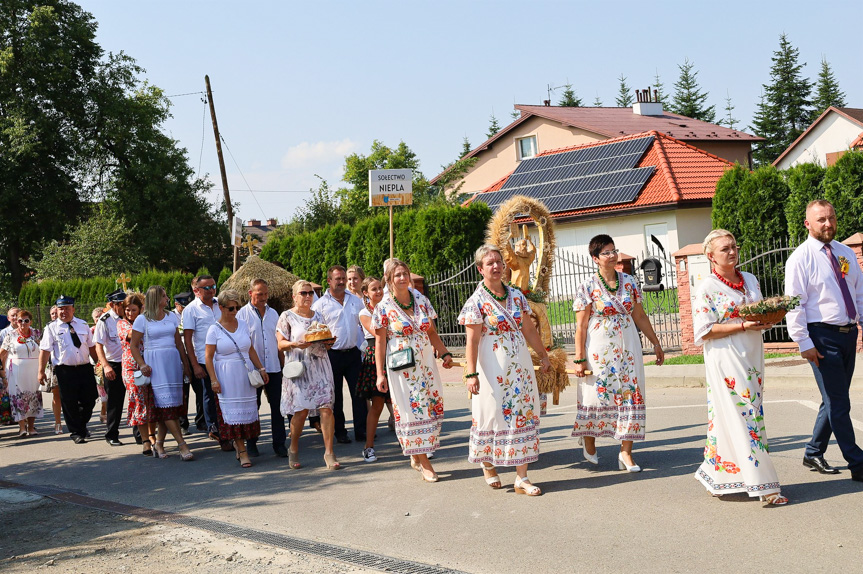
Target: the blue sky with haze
(299, 85)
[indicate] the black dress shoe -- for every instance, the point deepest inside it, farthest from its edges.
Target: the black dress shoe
(78, 439)
(281, 451)
(857, 475)
(113, 442)
(252, 449)
(818, 463)
(343, 439)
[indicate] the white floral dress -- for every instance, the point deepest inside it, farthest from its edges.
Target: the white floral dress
(736, 455)
(314, 388)
(416, 391)
(611, 400)
(505, 424)
(22, 373)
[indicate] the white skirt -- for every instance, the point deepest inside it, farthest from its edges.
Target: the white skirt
(238, 399)
(167, 376)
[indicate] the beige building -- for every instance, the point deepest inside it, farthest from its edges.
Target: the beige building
(834, 132)
(544, 128)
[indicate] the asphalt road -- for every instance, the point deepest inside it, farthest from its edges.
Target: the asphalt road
(589, 519)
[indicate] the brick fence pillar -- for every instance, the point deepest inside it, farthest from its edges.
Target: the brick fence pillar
(855, 242)
(681, 263)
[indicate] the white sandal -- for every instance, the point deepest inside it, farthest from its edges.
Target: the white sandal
(775, 499)
(523, 486)
(491, 477)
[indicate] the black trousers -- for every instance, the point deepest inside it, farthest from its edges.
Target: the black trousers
(209, 402)
(77, 396)
(200, 421)
(116, 400)
(346, 365)
(274, 396)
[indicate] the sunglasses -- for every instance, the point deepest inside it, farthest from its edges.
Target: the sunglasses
(208, 288)
(306, 293)
(232, 308)
(23, 320)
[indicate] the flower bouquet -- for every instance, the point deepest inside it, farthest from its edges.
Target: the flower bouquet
(770, 310)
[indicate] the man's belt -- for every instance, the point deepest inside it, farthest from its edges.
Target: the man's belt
(838, 328)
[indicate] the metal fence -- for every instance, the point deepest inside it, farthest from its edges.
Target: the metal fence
(767, 263)
(661, 305)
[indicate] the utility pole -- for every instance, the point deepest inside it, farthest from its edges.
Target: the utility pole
(227, 193)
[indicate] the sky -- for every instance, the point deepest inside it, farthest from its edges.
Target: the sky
(297, 86)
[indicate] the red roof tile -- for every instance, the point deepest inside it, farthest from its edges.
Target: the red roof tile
(683, 174)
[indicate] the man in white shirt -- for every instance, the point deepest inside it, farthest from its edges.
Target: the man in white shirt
(12, 315)
(198, 316)
(68, 343)
(110, 353)
(262, 320)
(826, 276)
(341, 311)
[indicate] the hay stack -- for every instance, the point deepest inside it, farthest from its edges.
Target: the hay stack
(280, 282)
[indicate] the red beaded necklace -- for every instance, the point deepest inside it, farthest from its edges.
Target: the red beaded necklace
(738, 286)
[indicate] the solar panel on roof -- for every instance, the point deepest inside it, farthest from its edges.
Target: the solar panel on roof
(579, 179)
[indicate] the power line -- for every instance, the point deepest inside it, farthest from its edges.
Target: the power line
(187, 94)
(263, 214)
(203, 125)
(268, 190)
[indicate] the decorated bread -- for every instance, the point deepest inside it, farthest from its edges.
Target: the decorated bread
(317, 332)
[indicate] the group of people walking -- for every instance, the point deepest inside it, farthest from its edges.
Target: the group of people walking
(384, 344)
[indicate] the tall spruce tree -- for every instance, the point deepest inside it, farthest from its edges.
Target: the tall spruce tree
(493, 126)
(658, 87)
(728, 119)
(784, 111)
(624, 97)
(569, 99)
(597, 103)
(465, 147)
(688, 99)
(827, 92)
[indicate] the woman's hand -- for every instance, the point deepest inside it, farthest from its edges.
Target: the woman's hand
(329, 344)
(382, 384)
(187, 372)
(146, 370)
(217, 388)
(265, 376)
(302, 344)
(580, 369)
(756, 326)
(473, 385)
(545, 364)
(660, 354)
(447, 361)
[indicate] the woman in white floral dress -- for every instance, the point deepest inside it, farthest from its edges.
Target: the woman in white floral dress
(404, 320)
(610, 400)
(19, 353)
(312, 390)
(499, 375)
(736, 455)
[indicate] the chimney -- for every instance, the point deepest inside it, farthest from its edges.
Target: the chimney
(272, 222)
(253, 223)
(644, 106)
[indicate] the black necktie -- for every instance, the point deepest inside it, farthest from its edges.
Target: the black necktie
(75, 339)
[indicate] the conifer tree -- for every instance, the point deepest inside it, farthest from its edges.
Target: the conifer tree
(688, 99)
(597, 102)
(493, 126)
(728, 120)
(784, 111)
(827, 92)
(659, 87)
(569, 99)
(465, 147)
(624, 97)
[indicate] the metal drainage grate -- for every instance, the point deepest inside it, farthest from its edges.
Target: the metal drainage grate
(331, 551)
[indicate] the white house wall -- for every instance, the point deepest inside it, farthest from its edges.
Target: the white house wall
(833, 133)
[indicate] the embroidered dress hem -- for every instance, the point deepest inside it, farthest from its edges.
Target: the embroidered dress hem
(618, 422)
(735, 486)
(243, 431)
(506, 447)
(418, 437)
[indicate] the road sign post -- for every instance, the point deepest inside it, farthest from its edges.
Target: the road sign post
(390, 187)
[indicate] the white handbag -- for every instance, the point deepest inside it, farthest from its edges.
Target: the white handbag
(255, 378)
(140, 379)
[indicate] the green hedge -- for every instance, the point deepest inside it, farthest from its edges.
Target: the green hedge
(94, 290)
(431, 240)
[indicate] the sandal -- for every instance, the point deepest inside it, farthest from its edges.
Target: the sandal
(22, 434)
(160, 444)
(433, 477)
(775, 499)
(523, 486)
(148, 448)
(32, 432)
(491, 477)
(187, 456)
(58, 429)
(332, 463)
(294, 459)
(247, 464)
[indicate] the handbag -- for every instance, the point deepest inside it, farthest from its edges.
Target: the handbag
(140, 379)
(401, 359)
(293, 369)
(255, 378)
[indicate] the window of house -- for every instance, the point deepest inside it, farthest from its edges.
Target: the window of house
(526, 147)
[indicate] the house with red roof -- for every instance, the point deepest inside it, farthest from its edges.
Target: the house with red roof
(834, 132)
(540, 129)
(643, 189)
